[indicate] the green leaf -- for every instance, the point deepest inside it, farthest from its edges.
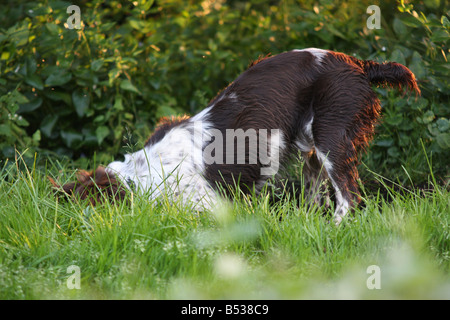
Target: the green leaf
(35, 81)
(97, 64)
(80, 101)
(101, 132)
(417, 66)
(20, 33)
(137, 24)
(419, 104)
(127, 85)
(5, 55)
(19, 98)
(89, 137)
(398, 56)
(30, 106)
(58, 78)
(394, 120)
(22, 121)
(428, 117)
(385, 143)
(433, 4)
(113, 74)
(404, 140)
(31, 65)
(393, 152)
(440, 35)
(37, 135)
(155, 82)
(443, 140)
(164, 111)
(71, 138)
(118, 103)
(433, 129)
(47, 124)
(5, 130)
(445, 22)
(335, 31)
(410, 21)
(56, 95)
(12, 107)
(443, 124)
(52, 28)
(99, 119)
(399, 28)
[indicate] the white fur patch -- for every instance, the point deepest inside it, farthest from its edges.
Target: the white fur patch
(202, 114)
(308, 129)
(303, 146)
(342, 205)
(318, 53)
(305, 141)
(232, 96)
(325, 161)
(173, 166)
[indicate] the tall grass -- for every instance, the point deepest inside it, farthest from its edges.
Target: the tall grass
(245, 249)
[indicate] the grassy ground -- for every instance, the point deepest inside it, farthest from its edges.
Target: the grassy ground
(243, 250)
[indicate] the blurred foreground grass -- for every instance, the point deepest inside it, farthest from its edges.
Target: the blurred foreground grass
(247, 249)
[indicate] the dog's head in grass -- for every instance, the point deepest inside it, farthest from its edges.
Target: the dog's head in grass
(97, 186)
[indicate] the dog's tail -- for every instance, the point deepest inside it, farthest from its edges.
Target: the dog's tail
(391, 74)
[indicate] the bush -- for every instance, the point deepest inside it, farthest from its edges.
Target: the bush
(76, 92)
(419, 41)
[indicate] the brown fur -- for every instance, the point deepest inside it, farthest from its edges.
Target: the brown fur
(285, 92)
(288, 90)
(96, 186)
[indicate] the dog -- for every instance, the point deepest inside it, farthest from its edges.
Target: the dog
(314, 102)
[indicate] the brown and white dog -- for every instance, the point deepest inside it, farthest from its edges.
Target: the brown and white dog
(317, 102)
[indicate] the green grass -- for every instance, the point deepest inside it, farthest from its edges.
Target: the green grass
(243, 250)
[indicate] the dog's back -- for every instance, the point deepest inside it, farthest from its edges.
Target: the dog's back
(324, 106)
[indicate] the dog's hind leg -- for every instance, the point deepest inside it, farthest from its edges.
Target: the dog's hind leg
(344, 114)
(342, 172)
(315, 180)
(314, 177)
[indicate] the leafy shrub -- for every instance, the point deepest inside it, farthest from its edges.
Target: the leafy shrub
(12, 125)
(419, 41)
(102, 87)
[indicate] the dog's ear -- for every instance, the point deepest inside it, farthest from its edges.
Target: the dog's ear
(83, 177)
(95, 186)
(59, 190)
(72, 188)
(103, 186)
(108, 185)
